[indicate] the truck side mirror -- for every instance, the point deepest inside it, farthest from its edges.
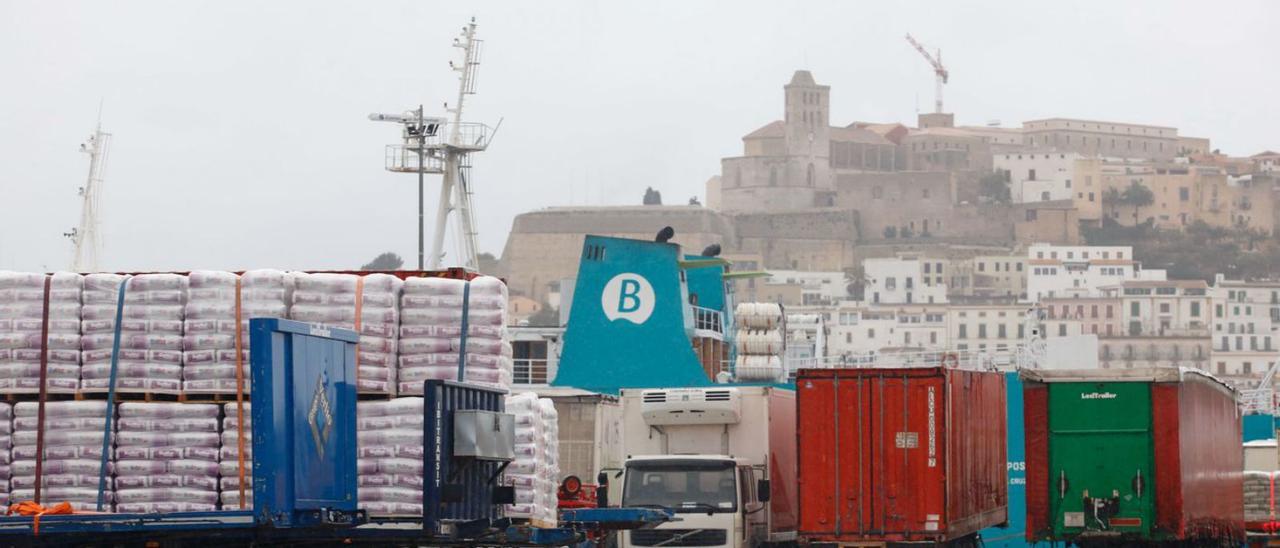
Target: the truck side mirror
(602, 490)
(762, 490)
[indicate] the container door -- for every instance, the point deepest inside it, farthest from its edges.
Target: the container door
(907, 491)
(1101, 458)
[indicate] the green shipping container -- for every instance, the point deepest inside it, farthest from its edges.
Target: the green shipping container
(1132, 455)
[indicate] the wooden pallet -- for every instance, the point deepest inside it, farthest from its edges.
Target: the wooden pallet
(374, 396)
(15, 397)
(210, 397)
(130, 396)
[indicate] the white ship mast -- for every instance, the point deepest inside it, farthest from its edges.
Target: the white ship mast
(86, 237)
(424, 150)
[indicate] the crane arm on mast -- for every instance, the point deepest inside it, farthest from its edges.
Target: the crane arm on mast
(938, 69)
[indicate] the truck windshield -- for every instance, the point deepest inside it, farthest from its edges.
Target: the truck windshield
(682, 485)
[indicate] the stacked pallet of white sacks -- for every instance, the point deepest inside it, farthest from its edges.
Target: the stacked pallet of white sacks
(534, 471)
(167, 458)
(72, 453)
(1258, 495)
(6, 444)
(389, 465)
(431, 332)
(209, 326)
(150, 358)
(550, 480)
(330, 299)
(21, 322)
(760, 342)
(229, 467)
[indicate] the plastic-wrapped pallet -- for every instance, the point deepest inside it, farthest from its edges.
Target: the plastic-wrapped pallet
(209, 326)
(150, 357)
(6, 444)
(167, 457)
(431, 332)
(533, 472)
(1258, 495)
(21, 321)
(760, 342)
(72, 453)
(229, 467)
(389, 466)
(369, 305)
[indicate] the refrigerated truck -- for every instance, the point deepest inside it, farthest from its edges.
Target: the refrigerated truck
(723, 458)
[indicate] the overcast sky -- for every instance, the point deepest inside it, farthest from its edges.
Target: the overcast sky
(241, 138)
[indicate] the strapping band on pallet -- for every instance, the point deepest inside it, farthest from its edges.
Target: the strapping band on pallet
(111, 394)
(359, 317)
(44, 388)
(462, 338)
(239, 393)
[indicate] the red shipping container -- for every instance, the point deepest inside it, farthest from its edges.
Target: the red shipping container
(900, 454)
(1188, 426)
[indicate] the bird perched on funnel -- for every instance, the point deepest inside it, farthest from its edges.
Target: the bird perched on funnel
(665, 234)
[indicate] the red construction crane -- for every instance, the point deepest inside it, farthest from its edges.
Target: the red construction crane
(938, 70)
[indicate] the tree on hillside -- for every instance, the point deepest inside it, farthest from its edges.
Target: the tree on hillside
(1110, 200)
(1137, 196)
(994, 187)
(652, 197)
(385, 261)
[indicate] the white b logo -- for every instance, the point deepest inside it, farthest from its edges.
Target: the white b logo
(627, 296)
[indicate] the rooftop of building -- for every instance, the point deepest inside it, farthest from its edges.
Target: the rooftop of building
(772, 129)
(802, 78)
(858, 135)
(1095, 122)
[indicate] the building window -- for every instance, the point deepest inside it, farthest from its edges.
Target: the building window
(1062, 330)
(890, 283)
(982, 331)
(871, 333)
(1246, 368)
(1195, 309)
(809, 175)
(1135, 308)
(964, 331)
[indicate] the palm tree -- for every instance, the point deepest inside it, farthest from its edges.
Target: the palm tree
(1110, 199)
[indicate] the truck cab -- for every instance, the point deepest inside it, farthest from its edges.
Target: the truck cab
(718, 500)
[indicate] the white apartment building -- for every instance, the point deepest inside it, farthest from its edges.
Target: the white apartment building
(905, 280)
(1245, 320)
(987, 324)
(815, 287)
(859, 330)
(1081, 271)
(1038, 176)
(1171, 308)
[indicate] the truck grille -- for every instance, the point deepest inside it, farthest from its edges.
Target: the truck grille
(663, 537)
